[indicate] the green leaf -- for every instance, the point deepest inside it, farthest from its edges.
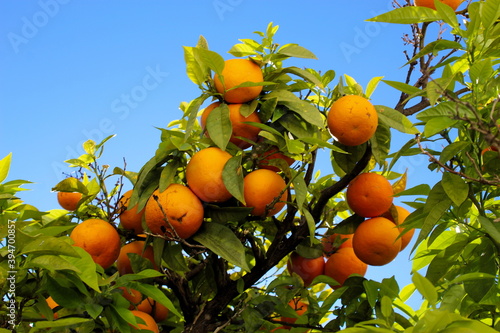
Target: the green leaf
(155, 293)
(168, 174)
(489, 13)
(403, 87)
(425, 288)
(447, 14)
(435, 47)
(408, 15)
(300, 188)
(192, 113)
(438, 124)
(455, 187)
(395, 119)
(222, 241)
(297, 51)
(219, 126)
(491, 228)
(49, 245)
(372, 85)
(232, 176)
(5, 166)
(453, 150)
(227, 214)
(194, 70)
(87, 267)
(52, 263)
(304, 108)
(208, 58)
(63, 322)
(306, 75)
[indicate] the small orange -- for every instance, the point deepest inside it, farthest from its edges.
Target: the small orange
(236, 72)
(100, 239)
(342, 264)
(306, 268)
(69, 200)
(352, 120)
(138, 247)
(300, 308)
(369, 194)
(376, 241)
(149, 322)
(261, 188)
(430, 3)
(131, 295)
(157, 310)
(271, 154)
(177, 207)
(204, 174)
(52, 304)
(240, 128)
(333, 242)
(402, 214)
(130, 218)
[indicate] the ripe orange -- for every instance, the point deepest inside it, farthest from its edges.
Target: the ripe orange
(342, 264)
(100, 239)
(240, 129)
(333, 242)
(52, 304)
(177, 207)
(131, 295)
(273, 154)
(149, 322)
(369, 194)
(204, 174)
(157, 310)
(123, 262)
(352, 120)
(260, 189)
(402, 214)
(300, 308)
(236, 72)
(376, 241)
(69, 200)
(130, 219)
(306, 268)
(430, 3)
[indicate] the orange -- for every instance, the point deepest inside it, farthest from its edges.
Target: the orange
(342, 264)
(240, 129)
(352, 120)
(69, 200)
(138, 247)
(100, 239)
(306, 268)
(333, 242)
(149, 322)
(204, 174)
(369, 194)
(272, 153)
(300, 308)
(157, 310)
(52, 304)
(430, 3)
(177, 207)
(130, 218)
(236, 72)
(402, 214)
(376, 241)
(261, 188)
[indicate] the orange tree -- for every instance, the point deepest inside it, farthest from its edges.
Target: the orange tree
(217, 263)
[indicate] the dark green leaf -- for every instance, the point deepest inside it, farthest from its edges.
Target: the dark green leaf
(63, 322)
(52, 263)
(227, 214)
(223, 242)
(168, 174)
(455, 187)
(453, 150)
(232, 176)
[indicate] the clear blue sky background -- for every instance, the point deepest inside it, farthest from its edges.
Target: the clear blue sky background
(66, 68)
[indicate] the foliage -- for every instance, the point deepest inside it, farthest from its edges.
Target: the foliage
(230, 275)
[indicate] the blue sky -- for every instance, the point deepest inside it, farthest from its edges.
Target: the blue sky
(78, 70)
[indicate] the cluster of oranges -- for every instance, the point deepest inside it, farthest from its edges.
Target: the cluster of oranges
(376, 241)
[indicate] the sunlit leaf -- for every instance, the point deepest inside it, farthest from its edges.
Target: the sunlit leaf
(232, 176)
(5, 166)
(425, 288)
(455, 187)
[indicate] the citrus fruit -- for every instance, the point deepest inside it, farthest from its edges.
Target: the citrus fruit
(342, 264)
(131, 295)
(306, 268)
(175, 212)
(69, 200)
(204, 174)
(266, 158)
(376, 241)
(149, 322)
(236, 72)
(352, 120)
(402, 214)
(52, 304)
(157, 310)
(238, 122)
(138, 247)
(130, 218)
(265, 191)
(300, 308)
(430, 3)
(369, 194)
(333, 242)
(98, 238)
